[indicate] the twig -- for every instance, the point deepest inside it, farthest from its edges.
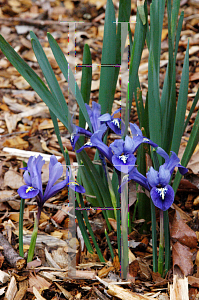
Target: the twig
(11, 255)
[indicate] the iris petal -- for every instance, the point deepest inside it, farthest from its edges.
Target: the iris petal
(26, 192)
(128, 145)
(94, 114)
(164, 175)
(135, 130)
(162, 197)
(55, 189)
(117, 146)
(152, 176)
(75, 186)
(55, 172)
(124, 163)
(139, 178)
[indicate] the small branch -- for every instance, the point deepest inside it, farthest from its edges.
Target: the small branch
(11, 255)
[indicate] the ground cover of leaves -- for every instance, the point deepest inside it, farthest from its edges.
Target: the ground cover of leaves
(25, 125)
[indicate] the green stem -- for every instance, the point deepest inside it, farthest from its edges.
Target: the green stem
(154, 237)
(21, 253)
(34, 236)
(161, 245)
(167, 242)
(124, 219)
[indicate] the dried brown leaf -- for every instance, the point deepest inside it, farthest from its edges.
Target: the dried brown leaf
(183, 234)
(182, 257)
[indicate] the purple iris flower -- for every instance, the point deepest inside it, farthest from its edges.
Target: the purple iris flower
(96, 141)
(115, 124)
(136, 132)
(76, 132)
(94, 113)
(123, 158)
(32, 178)
(161, 192)
(157, 182)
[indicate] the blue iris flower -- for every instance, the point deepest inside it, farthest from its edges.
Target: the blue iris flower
(96, 141)
(115, 124)
(139, 138)
(94, 114)
(157, 182)
(32, 178)
(76, 132)
(123, 158)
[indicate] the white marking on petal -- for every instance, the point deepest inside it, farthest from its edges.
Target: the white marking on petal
(162, 192)
(123, 158)
(88, 144)
(116, 123)
(145, 140)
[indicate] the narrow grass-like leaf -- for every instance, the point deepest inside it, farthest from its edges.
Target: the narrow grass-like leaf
(168, 99)
(167, 242)
(90, 229)
(99, 189)
(85, 84)
(108, 61)
(83, 229)
(175, 11)
(195, 101)
(182, 104)
(191, 145)
(138, 45)
(115, 185)
(140, 7)
(154, 237)
(33, 79)
(109, 245)
(49, 75)
(123, 18)
(143, 200)
(156, 21)
(64, 66)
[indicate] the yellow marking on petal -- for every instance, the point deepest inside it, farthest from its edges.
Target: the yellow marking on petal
(73, 182)
(30, 188)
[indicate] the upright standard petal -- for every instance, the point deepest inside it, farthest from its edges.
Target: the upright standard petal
(164, 176)
(172, 161)
(117, 146)
(94, 114)
(55, 172)
(135, 130)
(152, 177)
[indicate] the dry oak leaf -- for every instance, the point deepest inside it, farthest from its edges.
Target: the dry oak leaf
(182, 257)
(183, 234)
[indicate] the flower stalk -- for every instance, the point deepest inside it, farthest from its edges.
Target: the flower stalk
(161, 245)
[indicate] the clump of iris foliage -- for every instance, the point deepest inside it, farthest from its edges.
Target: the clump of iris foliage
(162, 123)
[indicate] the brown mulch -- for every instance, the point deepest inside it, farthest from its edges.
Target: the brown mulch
(26, 125)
